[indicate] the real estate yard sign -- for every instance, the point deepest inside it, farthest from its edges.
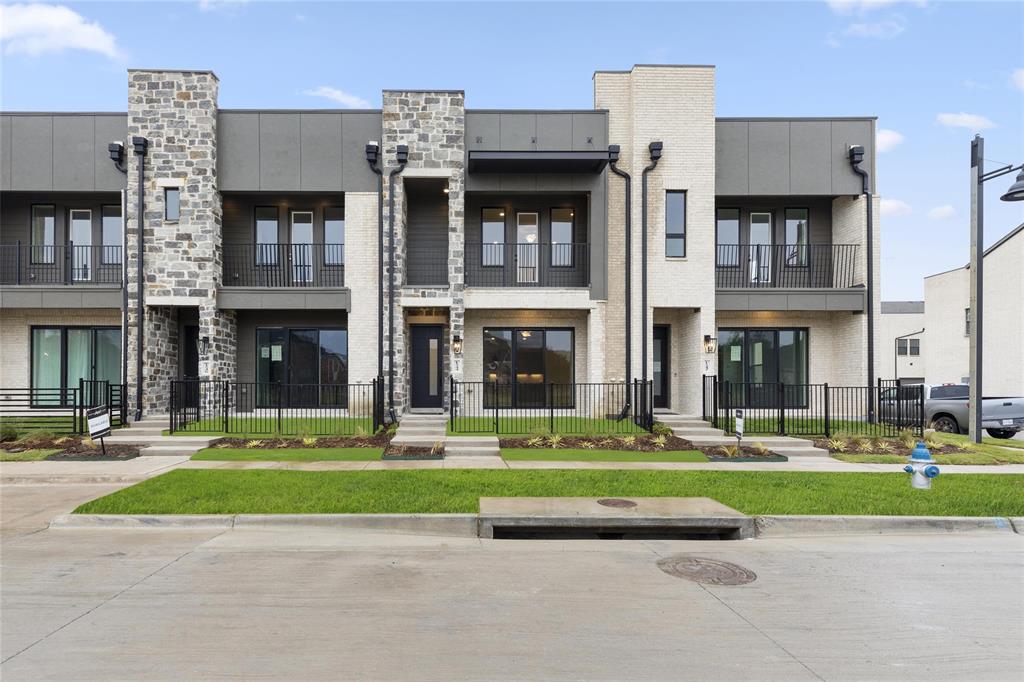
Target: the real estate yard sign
(739, 427)
(99, 424)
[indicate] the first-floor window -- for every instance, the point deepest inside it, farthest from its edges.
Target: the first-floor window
(528, 367)
(310, 365)
(62, 356)
(754, 361)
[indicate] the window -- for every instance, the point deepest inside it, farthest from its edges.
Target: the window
(915, 346)
(61, 356)
(334, 236)
(761, 247)
(527, 246)
(266, 235)
(172, 203)
(901, 346)
(112, 234)
(728, 237)
(797, 231)
(562, 224)
(80, 237)
(530, 367)
(492, 226)
(302, 246)
(967, 321)
(312, 364)
(43, 234)
(755, 360)
(675, 224)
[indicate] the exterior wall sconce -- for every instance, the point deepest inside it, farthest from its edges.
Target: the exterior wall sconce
(710, 344)
(204, 345)
(457, 345)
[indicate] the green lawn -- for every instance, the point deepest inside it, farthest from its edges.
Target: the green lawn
(267, 427)
(289, 454)
(985, 440)
(531, 426)
(26, 456)
(194, 491)
(583, 455)
(1006, 457)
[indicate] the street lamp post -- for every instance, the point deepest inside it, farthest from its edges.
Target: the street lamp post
(1016, 193)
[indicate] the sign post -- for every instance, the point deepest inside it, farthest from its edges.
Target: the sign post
(739, 428)
(99, 424)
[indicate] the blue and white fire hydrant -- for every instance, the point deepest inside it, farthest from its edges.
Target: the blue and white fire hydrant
(922, 467)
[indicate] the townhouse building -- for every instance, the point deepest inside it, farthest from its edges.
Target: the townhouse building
(426, 243)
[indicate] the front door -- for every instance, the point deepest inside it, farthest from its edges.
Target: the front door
(190, 365)
(426, 366)
(662, 366)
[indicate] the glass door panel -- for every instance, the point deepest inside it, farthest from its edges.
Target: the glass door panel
(108, 355)
(303, 367)
(497, 367)
(302, 246)
(731, 349)
(270, 365)
(81, 237)
(762, 368)
(760, 247)
(46, 367)
(529, 367)
(333, 367)
(527, 247)
(79, 359)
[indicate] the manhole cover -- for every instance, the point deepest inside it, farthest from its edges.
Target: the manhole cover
(616, 502)
(706, 571)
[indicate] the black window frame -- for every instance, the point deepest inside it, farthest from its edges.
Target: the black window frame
(551, 236)
(967, 321)
(785, 237)
(103, 244)
(504, 237)
(287, 360)
(50, 250)
(798, 405)
(914, 347)
(328, 263)
(256, 251)
(739, 237)
(672, 236)
(514, 397)
(167, 214)
(64, 328)
(901, 347)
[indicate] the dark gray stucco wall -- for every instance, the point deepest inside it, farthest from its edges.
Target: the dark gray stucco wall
(820, 211)
(60, 152)
(292, 151)
(239, 223)
(807, 157)
(16, 213)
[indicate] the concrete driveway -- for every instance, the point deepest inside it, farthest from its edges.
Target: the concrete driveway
(185, 604)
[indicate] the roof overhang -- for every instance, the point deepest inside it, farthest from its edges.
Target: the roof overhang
(537, 162)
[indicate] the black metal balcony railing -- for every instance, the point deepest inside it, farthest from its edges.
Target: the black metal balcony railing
(810, 266)
(284, 265)
(527, 265)
(56, 265)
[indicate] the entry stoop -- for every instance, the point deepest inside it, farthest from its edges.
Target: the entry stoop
(472, 446)
(423, 430)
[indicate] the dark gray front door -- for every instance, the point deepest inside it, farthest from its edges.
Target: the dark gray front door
(662, 369)
(426, 366)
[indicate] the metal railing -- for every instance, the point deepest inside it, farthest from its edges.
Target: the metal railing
(22, 264)
(527, 265)
(815, 409)
(284, 265)
(811, 266)
(564, 408)
(426, 265)
(251, 408)
(61, 410)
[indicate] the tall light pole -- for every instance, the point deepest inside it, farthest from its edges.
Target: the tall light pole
(1016, 193)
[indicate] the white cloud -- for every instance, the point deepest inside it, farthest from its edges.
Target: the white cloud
(1017, 79)
(964, 120)
(37, 29)
(882, 30)
(894, 207)
(343, 98)
(887, 140)
(941, 212)
(847, 7)
(831, 40)
(221, 5)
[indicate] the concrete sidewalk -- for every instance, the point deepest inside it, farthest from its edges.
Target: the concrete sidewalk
(77, 471)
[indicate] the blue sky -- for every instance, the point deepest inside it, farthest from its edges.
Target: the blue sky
(933, 72)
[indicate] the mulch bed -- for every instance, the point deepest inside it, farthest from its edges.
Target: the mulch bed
(379, 440)
(898, 448)
(640, 444)
(74, 448)
(115, 453)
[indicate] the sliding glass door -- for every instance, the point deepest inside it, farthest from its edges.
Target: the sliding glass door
(755, 361)
(63, 356)
(312, 363)
(526, 364)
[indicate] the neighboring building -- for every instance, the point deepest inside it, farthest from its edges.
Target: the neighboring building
(901, 337)
(947, 300)
(260, 244)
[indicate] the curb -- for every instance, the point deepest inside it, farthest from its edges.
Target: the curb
(470, 525)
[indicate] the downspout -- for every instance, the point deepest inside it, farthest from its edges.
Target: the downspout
(856, 158)
(402, 157)
(372, 155)
(655, 150)
(141, 146)
(116, 152)
(613, 157)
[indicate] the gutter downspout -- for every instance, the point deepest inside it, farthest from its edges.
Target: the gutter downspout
(402, 156)
(856, 157)
(655, 150)
(141, 145)
(613, 157)
(380, 264)
(116, 153)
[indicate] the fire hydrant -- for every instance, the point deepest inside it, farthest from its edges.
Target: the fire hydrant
(922, 467)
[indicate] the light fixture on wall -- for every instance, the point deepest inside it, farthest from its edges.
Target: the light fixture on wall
(710, 344)
(204, 345)
(457, 344)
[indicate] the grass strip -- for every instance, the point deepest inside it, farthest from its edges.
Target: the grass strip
(194, 491)
(289, 454)
(583, 455)
(982, 458)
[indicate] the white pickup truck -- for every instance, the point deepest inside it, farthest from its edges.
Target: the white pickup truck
(946, 409)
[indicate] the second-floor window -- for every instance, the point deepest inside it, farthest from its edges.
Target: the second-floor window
(112, 234)
(492, 225)
(80, 237)
(302, 246)
(967, 321)
(797, 230)
(562, 222)
(266, 235)
(172, 203)
(334, 236)
(43, 233)
(908, 346)
(675, 224)
(728, 237)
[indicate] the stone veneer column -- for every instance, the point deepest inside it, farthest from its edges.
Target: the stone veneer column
(177, 112)
(432, 124)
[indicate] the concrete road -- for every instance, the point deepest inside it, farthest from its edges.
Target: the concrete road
(185, 604)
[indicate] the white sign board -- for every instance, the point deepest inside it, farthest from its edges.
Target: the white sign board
(739, 423)
(99, 421)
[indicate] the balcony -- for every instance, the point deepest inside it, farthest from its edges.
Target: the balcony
(284, 265)
(533, 265)
(59, 266)
(814, 266)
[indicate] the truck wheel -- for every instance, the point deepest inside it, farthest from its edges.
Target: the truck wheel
(1001, 433)
(946, 424)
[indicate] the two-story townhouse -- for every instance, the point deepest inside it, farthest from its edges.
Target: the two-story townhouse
(436, 246)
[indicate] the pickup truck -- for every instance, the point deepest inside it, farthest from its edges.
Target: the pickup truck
(945, 409)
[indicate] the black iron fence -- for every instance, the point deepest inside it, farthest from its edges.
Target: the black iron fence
(22, 264)
(815, 409)
(527, 265)
(252, 408)
(284, 265)
(61, 410)
(564, 408)
(816, 266)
